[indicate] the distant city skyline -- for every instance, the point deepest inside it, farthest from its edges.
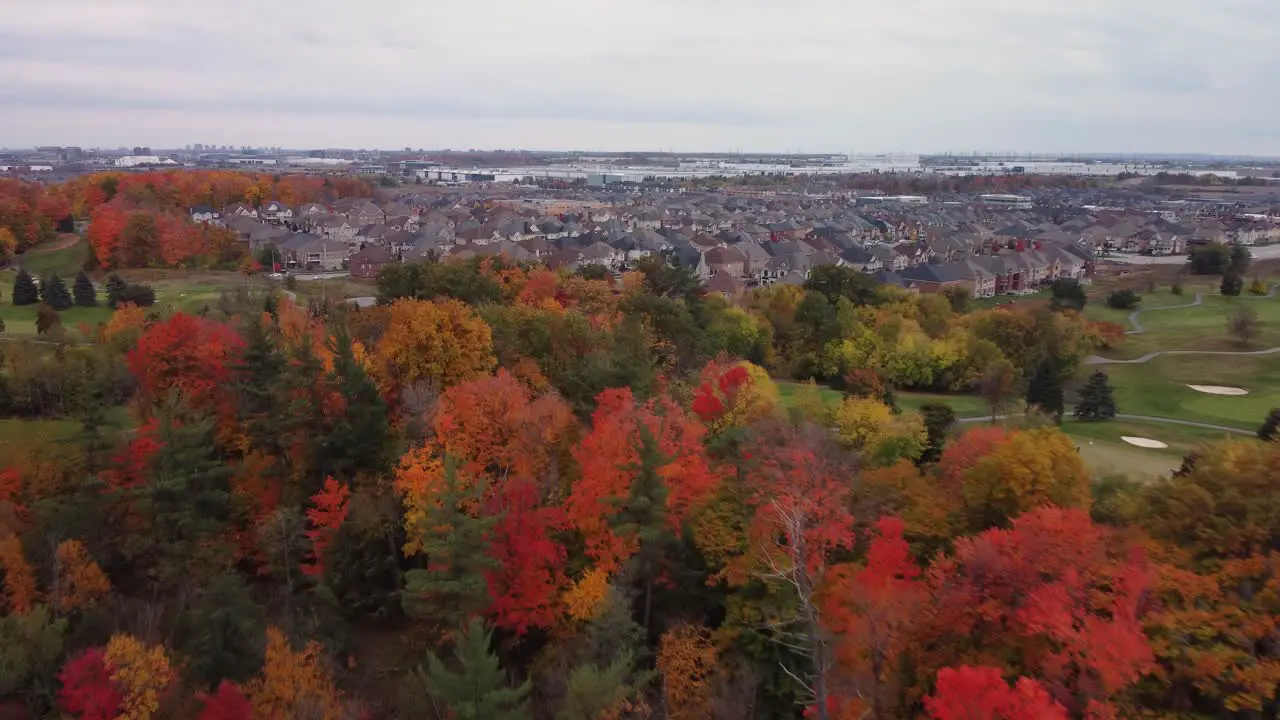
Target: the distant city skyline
(686, 75)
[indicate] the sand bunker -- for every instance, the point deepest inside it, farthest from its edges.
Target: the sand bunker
(1218, 390)
(1144, 442)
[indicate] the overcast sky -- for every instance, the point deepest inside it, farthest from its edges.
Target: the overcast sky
(715, 75)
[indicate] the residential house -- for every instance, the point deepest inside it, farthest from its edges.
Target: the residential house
(725, 285)
(276, 211)
(312, 252)
(312, 210)
(368, 262)
(933, 278)
(205, 214)
(725, 260)
(863, 260)
(889, 258)
(337, 228)
(240, 210)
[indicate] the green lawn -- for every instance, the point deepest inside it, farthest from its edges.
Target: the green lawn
(1106, 454)
(963, 405)
(188, 294)
(1203, 327)
(1159, 388)
(21, 321)
(20, 437)
(66, 262)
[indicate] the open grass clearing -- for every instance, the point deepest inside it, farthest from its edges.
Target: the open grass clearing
(1159, 388)
(65, 256)
(1203, 327)
(191, 293)
(965, 406)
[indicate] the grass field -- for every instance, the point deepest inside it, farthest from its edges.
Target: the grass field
(1159, 388)
(20, 438)
(965, 406)
(66, 261)
(190, 292)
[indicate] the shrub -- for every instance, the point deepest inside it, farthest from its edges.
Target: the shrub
(1231, 285)
(1123, 300)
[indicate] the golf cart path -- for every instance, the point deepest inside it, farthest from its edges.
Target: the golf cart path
(1138, 330)
(1096, 360)
(1141, 418)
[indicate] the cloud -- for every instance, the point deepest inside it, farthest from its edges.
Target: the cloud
(816, 75)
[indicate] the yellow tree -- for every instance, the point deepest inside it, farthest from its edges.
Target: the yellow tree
(1030, 469)
(19, 580)
(79, 581)
(8, 243)
(140, 673)
(871, 427)
(293, 684)
(686, 659)
(443, 341)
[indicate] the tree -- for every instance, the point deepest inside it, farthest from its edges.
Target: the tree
(116, 287)
(478, 689)
(939, 421)
(30, 647)
(980, 693)
(85, 294)
(1029, 469)
(444, 342)
(1045, 391)
(1123, 300)
(141, 673)
(1054, 598)
(1211, 259)
(452, 588)
(78, 581)
(1243, 322)
(8, 244)
(54, 293)
(1238, 260)
(25, 291)
(293, 683)
(687, 660)
(871, 427)
(1231, 285)
(325, 516)
(228, 702)
(47, 320)
(1270, 426)
(1068, 294)
(871, 610)
(360, 438)
(220, 633)
(998, 383)
(88, 691)
(1097, 400)
(19, 578)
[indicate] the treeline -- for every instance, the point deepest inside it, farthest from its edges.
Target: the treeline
(143, 220)
(511, 493)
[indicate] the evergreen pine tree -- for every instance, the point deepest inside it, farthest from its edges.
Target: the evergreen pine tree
(1270, 426)
(25, 291)
(478, 690)
(54, 293)
(220, 633)
(187, 497)
(257, 372)
(939, 420)
(86, 295)
(1097, 401)
(116, 290)
(643, 515)
(361, 436)
(1045, 389)
(304, 425)
(453, 587)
